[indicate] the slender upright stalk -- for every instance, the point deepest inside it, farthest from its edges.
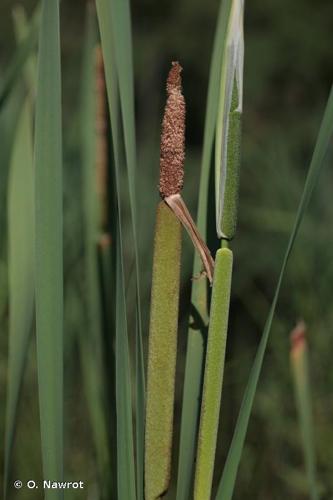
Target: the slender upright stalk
(199, 295)
(227, 164)
(94, 158)
(162, 352)
(21, 276)
(229, 475)
(300, 370)
(101, 143)
(212, 389)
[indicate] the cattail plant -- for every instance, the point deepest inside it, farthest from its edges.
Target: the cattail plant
(115, 392)
(227, 142)
(165, 297)
(172, 160)
(171, 212)
(299, 363)
(227, 160)
(96, 243)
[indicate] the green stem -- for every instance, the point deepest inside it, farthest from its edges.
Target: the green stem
(162, 352)
(213, 377)
(300, 371)
(199, 312)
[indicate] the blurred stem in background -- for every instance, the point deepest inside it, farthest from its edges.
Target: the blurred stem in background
(20, 249)
(299, 360)
(21, 276)
(91, 341)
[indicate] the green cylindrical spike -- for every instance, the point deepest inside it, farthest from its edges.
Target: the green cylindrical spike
(231, 187)
(213, 378)
(162, 352)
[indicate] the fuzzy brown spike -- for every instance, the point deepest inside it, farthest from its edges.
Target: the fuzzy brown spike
(173, 136)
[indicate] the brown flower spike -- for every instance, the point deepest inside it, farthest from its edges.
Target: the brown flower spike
(173, 136)
(172, 163)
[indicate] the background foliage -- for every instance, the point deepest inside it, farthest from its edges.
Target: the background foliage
(288, 72)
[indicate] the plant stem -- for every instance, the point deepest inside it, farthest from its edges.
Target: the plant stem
(300, 370)
(213, 377)
(162, 352)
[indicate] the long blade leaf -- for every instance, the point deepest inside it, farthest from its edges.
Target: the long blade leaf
(121, 27)
(48, 249)
(21, 282)
(19, 59)
(90, 339)
(20, 243)
(227, 483)
(125, 446)
(117, 52)
(22, 27)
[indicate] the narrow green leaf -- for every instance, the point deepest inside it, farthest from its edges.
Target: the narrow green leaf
(125, 445)
(115, 28)
(122, 37)
(125, 448)
(106, 261)
(48, 249)
(19, 59)
(88, 154)
(199, 313)
(212, 110)
(299, 361)
(11, 102)
(121, 19)
(22, 30)
(227, 483)
(21, 280)
(90, 342)
(20, 243)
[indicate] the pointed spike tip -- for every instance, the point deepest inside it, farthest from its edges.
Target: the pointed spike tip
(174, 81)
(298, 337)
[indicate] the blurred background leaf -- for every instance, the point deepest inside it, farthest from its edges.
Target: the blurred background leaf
(288, 72)
(21, 270)
(48, 251)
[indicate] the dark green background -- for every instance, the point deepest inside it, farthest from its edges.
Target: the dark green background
(288, 74)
